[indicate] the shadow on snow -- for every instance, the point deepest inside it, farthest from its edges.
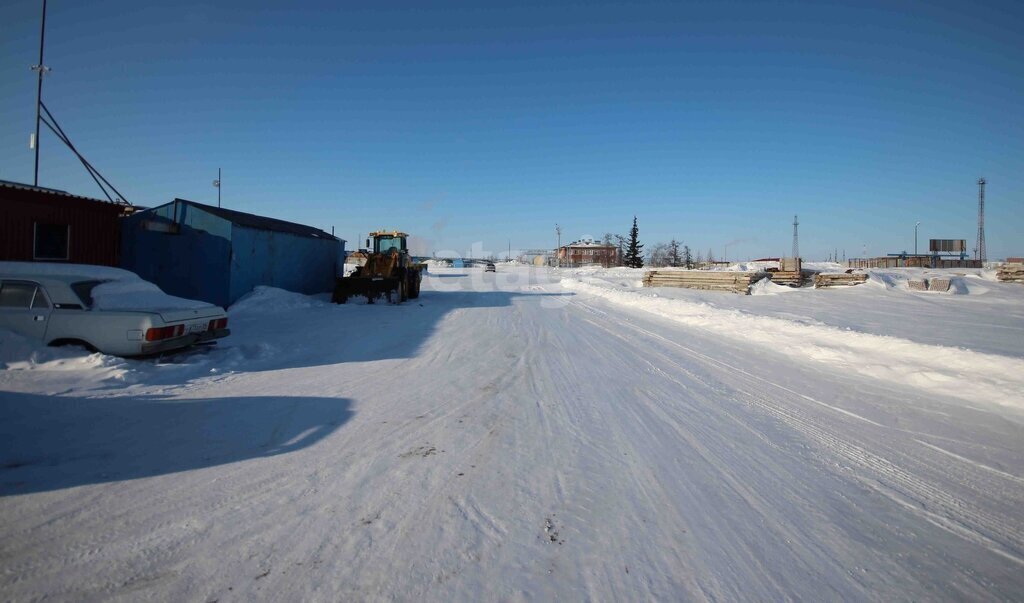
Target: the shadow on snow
(333, 334)
(54, 442)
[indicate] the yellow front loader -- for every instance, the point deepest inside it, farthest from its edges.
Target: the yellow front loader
(388, 271)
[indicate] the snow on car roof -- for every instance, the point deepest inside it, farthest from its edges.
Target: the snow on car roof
(61, 270)
(121, 289)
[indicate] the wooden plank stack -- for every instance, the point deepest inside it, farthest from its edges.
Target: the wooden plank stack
(940, 284)
(1011, 272)
(736, 282)
(824, 280)
(789, 273)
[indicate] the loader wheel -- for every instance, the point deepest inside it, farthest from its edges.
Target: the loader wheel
(400, 292)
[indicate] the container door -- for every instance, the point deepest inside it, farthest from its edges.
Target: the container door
(24, 309)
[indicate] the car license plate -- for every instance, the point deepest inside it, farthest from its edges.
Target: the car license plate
(197, 327)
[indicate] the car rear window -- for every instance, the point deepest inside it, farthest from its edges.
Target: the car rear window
(83, 289)
(17, 295)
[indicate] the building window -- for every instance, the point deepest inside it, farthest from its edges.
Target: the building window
(51, 242)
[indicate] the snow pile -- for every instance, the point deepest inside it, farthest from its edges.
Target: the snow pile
(135, 293)
(765, 286)
(271, 300)
(745, 267)
(973, 376)
(897, 279)
(824, 266)
(21, 353)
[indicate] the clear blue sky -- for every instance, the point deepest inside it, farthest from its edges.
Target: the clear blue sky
(713, 122)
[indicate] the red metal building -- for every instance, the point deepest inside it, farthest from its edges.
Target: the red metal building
(47, 225)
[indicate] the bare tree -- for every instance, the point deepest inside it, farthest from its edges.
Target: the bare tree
(659, 255)
(673, 254)
(620, 242)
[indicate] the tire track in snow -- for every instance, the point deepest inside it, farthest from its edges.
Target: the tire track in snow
(1000, 535)
(972, 376)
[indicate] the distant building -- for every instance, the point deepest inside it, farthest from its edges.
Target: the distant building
(587, 253)
(47, 225)
(218, 255)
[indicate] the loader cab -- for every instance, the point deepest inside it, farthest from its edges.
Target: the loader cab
(384, 242)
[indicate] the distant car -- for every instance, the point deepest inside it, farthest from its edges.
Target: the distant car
(489, 267)
(105, 309)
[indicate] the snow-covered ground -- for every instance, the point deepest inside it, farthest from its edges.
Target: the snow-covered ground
(533, 434)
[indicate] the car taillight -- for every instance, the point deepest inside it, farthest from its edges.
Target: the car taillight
(218, 323)
(158, 333)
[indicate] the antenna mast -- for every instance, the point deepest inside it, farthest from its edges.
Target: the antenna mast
(980, 249)
(41, 70)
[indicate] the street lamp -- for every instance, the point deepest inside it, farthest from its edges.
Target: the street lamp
(915, 237)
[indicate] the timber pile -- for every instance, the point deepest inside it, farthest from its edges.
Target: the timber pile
(918, 284)
(940, 284)
(790, 273)
(1011, 272)
(737, 282)
(790, 279)
(824, 280)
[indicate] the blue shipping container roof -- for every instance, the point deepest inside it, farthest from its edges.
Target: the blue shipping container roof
(261, 222)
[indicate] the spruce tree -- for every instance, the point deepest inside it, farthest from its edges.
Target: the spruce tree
(687, 257)
(634, 253)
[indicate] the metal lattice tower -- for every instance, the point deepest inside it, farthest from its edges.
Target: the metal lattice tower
(979, 251)
(796, 241)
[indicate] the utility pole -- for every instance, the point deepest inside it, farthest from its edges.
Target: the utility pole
(796, 243)
(216, 183)
(558, 250)
(980, 251)
(41, 70)
(915, 237)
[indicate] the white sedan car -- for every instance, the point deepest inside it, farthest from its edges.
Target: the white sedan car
(106, 309)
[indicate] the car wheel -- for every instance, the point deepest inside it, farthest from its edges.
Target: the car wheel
(60, 343)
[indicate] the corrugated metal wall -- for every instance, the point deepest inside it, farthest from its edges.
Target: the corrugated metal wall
(94, 234)
(181, 259)
(277, 259)
(191, 253)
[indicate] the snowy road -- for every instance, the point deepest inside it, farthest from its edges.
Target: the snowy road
(508, 438)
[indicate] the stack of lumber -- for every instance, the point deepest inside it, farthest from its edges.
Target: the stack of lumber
(791, 279)
(736, 282)
(1011, 272)
(939, 284)
(824, 280)
(918, 284)
(790, 273)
